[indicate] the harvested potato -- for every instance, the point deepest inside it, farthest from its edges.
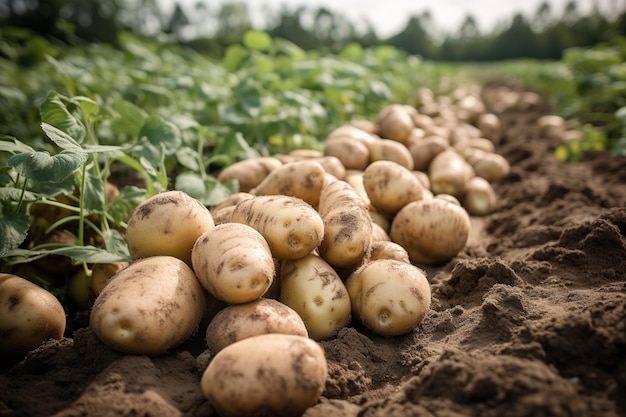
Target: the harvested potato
(490, 127)
(386, 249)
(167, 224)
(449, 172)
(151, 306)
(395, 122)
(233, 262)
(432, 231)
(333, 166)
(101, 273)
(240, 321)
(490, 166)
(378, 233)
(479, 198)
(353, 132)
(303, 179)
(355, 179)
(271, 374)
(390, 186)
(347, 225)
(79, 292)
(249, 172)
(388, 296)
(312, 288)
(352, 153)
(29, 315)
(391, 150)
(232, 200)
(291, 227)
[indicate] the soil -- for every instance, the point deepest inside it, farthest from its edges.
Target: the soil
(528, 320)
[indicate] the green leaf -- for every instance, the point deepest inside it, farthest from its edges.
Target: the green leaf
(236, 146)
(52, 189)
(54, 112)
(126, 201)
(130, 118)
(13, 229)
(93, 197)
(61, 138)
(42, 167)
(209, 190)
(14, 194)
(234, 57)
(188, 158)
(161, 132)
(88, 254)
(88, 107)
(12, 145)
(256, 39)
(115, 243)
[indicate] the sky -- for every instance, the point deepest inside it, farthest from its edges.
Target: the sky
(388, 17)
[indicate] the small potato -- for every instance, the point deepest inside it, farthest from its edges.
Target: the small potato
(347, 225)
(395, 122)
(352, 153)
(353, 132)
(249, 172)
(432, 231)
(479, 198)
(291, 227)
(449, 172)
(303, 179)
(355, 179)
(333, 166)
(29, 315)
(390, 186)
(391, 150)
(240, 321)
(233, 262)
(232, 200)
(151, 306)
(167, 224)
(378, 233)
(386, 249)
(271, 374)
(388, 296)
(315, 291)
(491, 166)
(101, 273)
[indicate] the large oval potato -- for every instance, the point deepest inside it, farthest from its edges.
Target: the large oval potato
(388, 296)
(432, 231)
(291, 227)
(29, 315)
(240, 321)
(249, 172)
(391, 186)
(311, 287)
(167, 224)
(272, 374)
(149, 307)
(233, 262)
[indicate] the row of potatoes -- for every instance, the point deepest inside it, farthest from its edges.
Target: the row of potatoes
(312, 242)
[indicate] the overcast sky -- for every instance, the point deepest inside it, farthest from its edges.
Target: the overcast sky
(390, 16)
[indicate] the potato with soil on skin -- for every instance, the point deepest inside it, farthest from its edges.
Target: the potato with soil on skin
(29, 315)
(347, 225)
(303, 179)
(352, 153)
(167, 224)
(396, 122)
(386, 249)
(249, 172)
(479, 198)
(432, 231)
(313, 288)
(490, 166)
(101, 273)
(391, 186)
(391, 150)
(449, 172)
(240, 321)
(388, 296)
(291, 227)
(233, 262)
(151, 306)
(272, 374)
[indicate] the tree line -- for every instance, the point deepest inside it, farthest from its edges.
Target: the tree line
(542, 35)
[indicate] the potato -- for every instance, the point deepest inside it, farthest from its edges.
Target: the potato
(291, 227)
(333, 166)
(388, 296)
(352, 153)
(151, 306)
(386, 249)
(29, 315)
(391, 150)
(101, 273)
(240, 321)
(390, 186)
(490, 127)
(490, 166)
(315, 291)
(232, 200)
(449, 173)
(378, 233)
(249, 172)
(395, 122)
(353, 132)
(79, 292)
(432, 231)
(355, 179)
(479, 198)
(303, 179)
(272, 374)
(347, 225)
(233, 262)
(167, 224)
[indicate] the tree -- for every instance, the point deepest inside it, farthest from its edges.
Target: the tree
(413, 38)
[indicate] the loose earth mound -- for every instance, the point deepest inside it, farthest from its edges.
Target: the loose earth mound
(529, 320)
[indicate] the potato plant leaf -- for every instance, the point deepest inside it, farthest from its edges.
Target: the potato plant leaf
(256, 39)
(129, 198)
(93, 197)
(208, 190)
(42, 167)
(13, 229)
(54, 112)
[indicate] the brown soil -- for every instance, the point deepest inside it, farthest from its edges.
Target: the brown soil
(529, 320)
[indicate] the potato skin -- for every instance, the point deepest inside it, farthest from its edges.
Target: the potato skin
(249, 172)
(432, 231)
(311, 287)
(149, 307)
(167, 224)
(291, 227)
(347, 225)
(233, 262)
(271, 374)
(29, 315)
(240, 321)
(391, 186)
(388, 296)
